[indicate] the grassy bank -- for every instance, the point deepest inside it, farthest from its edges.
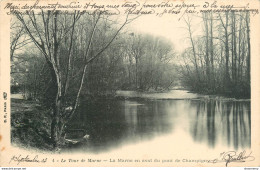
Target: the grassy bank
(30, 125)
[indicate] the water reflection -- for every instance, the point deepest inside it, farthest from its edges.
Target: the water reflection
(114, 123)
(225, 122)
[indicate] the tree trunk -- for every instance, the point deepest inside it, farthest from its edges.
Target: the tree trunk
(235, 49)
(227, 77)
(136, 72)
(208, 74)
(249, 47)
(212, 55)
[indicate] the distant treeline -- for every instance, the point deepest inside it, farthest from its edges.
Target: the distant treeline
(218, 61)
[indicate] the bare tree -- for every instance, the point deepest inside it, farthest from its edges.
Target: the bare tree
(18, 38)
(225, 58)
(48, 30)
(188, 23)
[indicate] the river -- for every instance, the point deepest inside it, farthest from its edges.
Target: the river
(142, 117)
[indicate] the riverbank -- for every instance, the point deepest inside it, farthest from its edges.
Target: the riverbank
(30, 125)
(172, 95)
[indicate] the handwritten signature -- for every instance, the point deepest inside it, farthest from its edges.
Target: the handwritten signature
(21, 158)
(233, 156)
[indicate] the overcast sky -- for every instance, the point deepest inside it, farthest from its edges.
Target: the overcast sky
(169, 27)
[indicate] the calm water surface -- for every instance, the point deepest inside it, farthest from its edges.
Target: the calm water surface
(114, 123)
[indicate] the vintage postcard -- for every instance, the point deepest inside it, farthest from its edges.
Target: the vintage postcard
(129, 83)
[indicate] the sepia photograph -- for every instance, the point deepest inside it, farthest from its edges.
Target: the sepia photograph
(127, 76)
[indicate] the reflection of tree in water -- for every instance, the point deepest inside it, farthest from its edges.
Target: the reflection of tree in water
(111, 123)
(227, 122)
(211, 122)
(153, 119)
(102, 122)
(146, 119)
